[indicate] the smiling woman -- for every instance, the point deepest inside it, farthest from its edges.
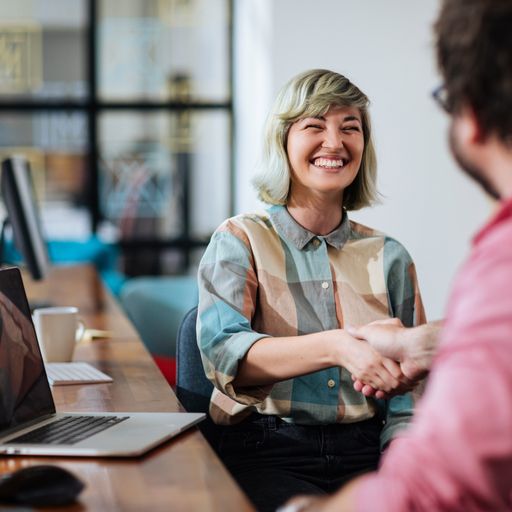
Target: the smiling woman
(306, 99)
(325, 154)
(276, 290)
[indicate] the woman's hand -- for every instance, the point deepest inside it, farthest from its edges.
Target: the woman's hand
(367, 365)
(406, 386)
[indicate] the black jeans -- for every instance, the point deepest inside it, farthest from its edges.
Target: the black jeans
(273, 460)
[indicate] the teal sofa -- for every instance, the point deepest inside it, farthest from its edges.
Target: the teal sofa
(156, 306)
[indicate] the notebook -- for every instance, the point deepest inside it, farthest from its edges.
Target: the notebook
(29, 423)
(63, 374)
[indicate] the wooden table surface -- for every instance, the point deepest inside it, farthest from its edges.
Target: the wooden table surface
(183, 474)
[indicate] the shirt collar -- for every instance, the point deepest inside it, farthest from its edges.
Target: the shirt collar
(288, 228)
(503, 212)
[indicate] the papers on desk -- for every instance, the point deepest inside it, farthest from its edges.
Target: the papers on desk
(60, 374)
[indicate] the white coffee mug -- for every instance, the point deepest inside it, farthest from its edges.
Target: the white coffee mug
(58, 330)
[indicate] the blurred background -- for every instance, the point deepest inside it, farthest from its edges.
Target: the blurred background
(142, 119)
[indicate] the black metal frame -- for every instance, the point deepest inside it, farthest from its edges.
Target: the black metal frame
(92, 107)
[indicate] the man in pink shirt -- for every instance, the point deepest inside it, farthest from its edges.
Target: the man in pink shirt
(457, 454)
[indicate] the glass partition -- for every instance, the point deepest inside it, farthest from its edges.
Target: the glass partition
(42, 49)
(55, 144)
(151, 162)
(146, 47)
(124, 110)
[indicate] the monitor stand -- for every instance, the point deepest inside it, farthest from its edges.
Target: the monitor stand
(35, 303)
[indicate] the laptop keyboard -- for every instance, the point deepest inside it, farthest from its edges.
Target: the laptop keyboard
(68, 430)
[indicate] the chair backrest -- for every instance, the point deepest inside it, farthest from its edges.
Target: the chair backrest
(192, 387)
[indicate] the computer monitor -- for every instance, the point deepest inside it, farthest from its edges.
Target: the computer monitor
(23, 215)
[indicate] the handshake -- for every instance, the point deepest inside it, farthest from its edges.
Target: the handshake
(405, 356)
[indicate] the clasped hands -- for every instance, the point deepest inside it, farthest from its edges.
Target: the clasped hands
(392, 372)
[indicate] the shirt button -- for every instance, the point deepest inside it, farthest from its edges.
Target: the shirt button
(316, 242)
(325, 285)
(331, 383)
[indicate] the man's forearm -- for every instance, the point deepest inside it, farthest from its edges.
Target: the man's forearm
(420, 344)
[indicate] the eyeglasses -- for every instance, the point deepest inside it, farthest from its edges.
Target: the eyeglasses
(440, 94)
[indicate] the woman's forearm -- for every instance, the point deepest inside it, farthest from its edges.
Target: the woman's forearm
(272, 360)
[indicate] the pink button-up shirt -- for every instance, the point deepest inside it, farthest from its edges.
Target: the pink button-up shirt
(457, 454)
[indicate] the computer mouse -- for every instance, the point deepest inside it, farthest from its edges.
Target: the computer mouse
(42, 485)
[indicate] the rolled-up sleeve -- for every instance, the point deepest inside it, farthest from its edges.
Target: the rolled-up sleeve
(227, 299)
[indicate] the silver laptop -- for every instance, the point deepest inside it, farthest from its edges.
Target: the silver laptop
(29, 424)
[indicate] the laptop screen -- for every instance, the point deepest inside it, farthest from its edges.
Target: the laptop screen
(24, 390)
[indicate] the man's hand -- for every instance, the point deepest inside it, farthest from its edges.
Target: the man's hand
(393, 340)
(384, 336)
(413, 348)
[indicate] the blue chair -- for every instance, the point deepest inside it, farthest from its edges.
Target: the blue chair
(193, 389)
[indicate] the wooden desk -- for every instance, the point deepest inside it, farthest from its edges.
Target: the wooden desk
(184, 474)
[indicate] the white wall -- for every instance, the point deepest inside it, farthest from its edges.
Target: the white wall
(386, 49)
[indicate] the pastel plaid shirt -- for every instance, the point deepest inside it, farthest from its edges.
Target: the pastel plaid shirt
(265, 275)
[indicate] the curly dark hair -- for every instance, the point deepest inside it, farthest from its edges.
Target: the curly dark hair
(474, 54)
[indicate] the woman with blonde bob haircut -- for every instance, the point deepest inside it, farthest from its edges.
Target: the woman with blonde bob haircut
(276, 290)
(322, 89)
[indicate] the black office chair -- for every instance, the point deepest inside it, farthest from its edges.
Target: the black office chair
(193, 389)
